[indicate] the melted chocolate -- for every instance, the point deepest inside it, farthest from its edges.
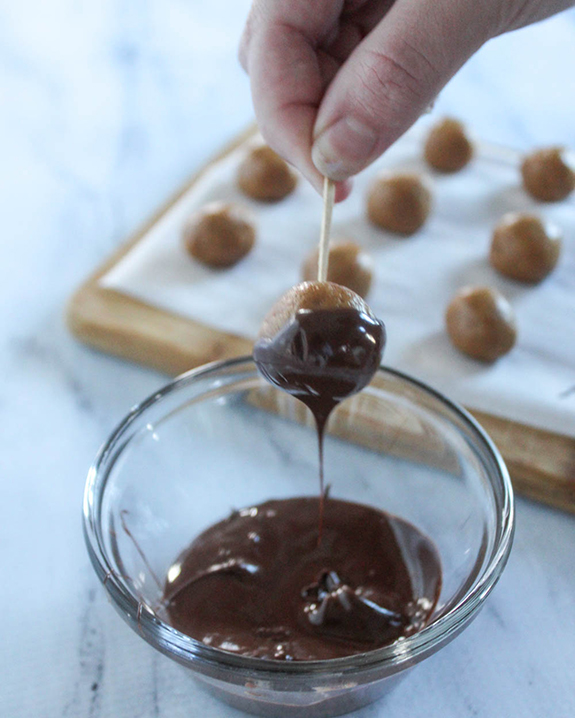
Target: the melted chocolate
(322, 357)
(258, 584)
(266, 582)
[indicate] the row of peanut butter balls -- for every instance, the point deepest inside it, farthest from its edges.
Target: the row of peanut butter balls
(479, 320)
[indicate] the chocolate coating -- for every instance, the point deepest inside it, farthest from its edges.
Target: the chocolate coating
(220, 234)
(524, 248)
(258, 584)
(320, 343)
(349, 265)
(399, 202)
(548, 175)
(480, 323)
(448, 148)
(265, 176)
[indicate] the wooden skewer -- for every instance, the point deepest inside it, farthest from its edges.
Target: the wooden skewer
(328, 200)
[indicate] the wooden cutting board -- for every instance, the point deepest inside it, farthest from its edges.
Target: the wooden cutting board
(541, 463)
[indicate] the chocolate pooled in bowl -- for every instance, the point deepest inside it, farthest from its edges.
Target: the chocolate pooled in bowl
(258, 584)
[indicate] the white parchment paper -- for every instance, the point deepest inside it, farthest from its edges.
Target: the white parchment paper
(415, 278)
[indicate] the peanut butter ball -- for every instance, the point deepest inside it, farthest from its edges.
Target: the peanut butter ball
(481, 323)
(265, 176)
(399, 202)
(220, 234)
(524, 248)
(321, 343)
(448, 148)
(548, 174)
(348, 265)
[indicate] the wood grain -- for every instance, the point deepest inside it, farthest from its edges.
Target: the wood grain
(541, 463)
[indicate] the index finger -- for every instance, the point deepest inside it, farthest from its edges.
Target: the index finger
(286, 76)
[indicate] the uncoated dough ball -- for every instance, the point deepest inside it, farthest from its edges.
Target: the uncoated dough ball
(524, 248)
(548, 175)
(399, 202)
(265, 176)
(448, 148)
(481, 323)
(220, 234)
(349, 265)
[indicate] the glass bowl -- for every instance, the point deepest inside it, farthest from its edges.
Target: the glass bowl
(220, 438)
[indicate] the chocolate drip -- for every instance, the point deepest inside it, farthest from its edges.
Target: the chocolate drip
(322, 357)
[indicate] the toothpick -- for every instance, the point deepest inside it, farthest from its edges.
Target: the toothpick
(328, 199)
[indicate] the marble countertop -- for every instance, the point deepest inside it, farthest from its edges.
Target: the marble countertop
(106, 108)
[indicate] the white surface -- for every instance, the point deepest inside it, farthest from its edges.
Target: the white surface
(106, 108)
(414, 277)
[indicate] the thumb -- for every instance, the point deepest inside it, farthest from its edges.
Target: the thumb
(391, 78)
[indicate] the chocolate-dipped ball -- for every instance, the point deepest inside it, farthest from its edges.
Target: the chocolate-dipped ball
(265, 176)
(348, 265)
(220, 234)
(525, 248)
(548, 174)
(321, 343)
(399, 202)
(448, 148)
(481, 323)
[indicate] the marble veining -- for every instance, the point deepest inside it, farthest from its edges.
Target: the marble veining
(106, 108)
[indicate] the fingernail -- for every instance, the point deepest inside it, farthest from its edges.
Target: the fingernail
(344, 148)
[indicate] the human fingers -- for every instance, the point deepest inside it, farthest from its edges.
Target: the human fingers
(288, 75)
(391, 77)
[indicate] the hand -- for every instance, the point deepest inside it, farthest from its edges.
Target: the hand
(336, 82)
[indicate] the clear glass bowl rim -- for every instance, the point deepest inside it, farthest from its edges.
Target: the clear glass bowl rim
(189, 650)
